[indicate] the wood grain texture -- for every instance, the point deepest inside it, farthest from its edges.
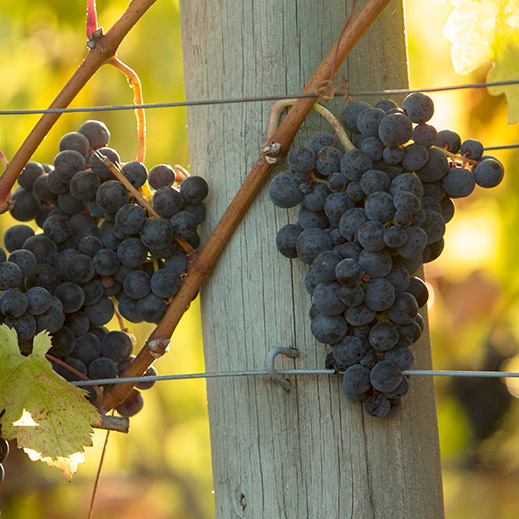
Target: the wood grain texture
(309, 452)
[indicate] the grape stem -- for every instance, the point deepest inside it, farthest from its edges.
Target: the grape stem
(116, 170)
(138, 99)
(102, 49)
(458, 158)
(206, 258)
(279, 107)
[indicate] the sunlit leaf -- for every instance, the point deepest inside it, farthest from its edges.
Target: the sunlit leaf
(57, 418)
(470, 28)
(487, 30)
(506, 66)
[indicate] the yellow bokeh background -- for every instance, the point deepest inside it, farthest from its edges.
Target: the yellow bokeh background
(162, 469)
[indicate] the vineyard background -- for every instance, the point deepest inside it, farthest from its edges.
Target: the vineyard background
(162, 469)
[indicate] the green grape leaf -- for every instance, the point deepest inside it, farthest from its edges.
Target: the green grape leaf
(487, 30)
(50, 418)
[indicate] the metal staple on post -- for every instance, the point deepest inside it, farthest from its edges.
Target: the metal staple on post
(274, 375)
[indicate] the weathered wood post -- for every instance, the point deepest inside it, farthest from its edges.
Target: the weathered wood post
(309, 452)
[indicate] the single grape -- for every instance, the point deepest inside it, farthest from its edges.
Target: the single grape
(419, 107)
(284, 190)
(96, 132)
(194, 189)
(116, 345)
(383, 336)
(385, 376)
(161, 175)
(395, 129)
(356, 381)
(286, 239)
(489, 173)
(132, 405)
(165, 283)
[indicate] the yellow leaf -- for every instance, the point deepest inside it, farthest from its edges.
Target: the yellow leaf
(470, 28)
(487, 30)
(506, 61)
(61, 415)
(67, 465)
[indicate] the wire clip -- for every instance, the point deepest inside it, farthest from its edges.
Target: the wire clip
(274, 375)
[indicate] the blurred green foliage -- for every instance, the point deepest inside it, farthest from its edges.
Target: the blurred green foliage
(162, 469)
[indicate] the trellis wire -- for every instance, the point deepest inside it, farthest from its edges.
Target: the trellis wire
(135, 380)
(221, 374)
(205, 102)
(262, 98)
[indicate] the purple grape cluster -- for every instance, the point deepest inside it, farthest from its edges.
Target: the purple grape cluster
(98, 250)
(369, 218)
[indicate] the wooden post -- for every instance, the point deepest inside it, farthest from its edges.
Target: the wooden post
(309, 452)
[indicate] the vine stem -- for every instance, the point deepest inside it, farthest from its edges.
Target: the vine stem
(280, 106)
(208, 255)
(102, 49)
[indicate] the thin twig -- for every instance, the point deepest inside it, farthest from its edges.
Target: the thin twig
(208, 255)
(91, 21)
(98, 477)
(138, 99)
(328, 88)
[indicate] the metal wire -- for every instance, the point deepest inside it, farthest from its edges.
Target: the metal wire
(205, 102)
(135, 380)
(221, 374)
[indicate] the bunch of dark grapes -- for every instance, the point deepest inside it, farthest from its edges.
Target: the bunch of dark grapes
(97, 250)
(368, 219)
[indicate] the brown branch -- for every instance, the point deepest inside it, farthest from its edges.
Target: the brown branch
(208, 255)
(113, 423)
(101, 50)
